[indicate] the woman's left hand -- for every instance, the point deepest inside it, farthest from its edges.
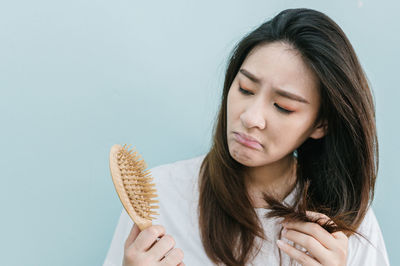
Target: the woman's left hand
(323, 248)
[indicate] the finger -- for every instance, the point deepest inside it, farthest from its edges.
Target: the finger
(173, 258)
(132, 235)
(313, 246)
(319, 217)
(181, 264)
(296, 254)
(147, 237)
(340, 235)
(323, 219)
(159, 250)
(314, 230)
(342, 239)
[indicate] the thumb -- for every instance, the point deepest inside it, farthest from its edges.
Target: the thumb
(132, 235)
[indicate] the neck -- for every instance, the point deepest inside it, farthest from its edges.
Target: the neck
(277, 179)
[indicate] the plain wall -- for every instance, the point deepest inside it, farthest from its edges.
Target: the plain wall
(77, 77)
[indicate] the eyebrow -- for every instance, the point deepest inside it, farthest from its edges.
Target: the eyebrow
(278, 91)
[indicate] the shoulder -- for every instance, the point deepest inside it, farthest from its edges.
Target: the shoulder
(176, 184)
(369, 251)
(177, 190)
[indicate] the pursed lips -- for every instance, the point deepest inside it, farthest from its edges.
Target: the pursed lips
(248, 140)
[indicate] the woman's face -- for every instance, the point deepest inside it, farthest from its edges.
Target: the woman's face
(273, 99)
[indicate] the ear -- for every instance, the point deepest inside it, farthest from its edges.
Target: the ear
(320, 131)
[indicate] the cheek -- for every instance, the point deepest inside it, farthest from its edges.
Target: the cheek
(295, 132)
(232, 108)
(303, 123)
(229, 112)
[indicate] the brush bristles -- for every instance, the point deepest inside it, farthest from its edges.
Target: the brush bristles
(137, 182)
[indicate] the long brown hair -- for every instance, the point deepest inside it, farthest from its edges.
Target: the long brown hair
(335, 174)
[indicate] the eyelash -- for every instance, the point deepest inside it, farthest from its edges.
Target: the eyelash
(283, 110)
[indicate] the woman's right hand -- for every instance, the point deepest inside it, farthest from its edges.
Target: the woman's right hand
(142, 248)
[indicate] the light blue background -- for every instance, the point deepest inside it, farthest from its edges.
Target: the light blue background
(77, 77)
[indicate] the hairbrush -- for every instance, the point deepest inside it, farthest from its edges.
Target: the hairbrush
(133, 184)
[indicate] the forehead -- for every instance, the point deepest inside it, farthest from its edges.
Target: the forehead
(278, 65)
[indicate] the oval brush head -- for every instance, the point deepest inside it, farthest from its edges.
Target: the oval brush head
(133, 184)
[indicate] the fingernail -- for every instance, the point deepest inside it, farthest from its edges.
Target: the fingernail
(279, 242)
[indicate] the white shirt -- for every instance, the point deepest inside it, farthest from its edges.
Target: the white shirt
(177, 190)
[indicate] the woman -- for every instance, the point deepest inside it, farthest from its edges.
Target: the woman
(290, 176)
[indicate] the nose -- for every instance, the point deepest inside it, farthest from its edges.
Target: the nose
(254, 115)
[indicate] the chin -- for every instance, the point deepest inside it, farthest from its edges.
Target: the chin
(243, 155)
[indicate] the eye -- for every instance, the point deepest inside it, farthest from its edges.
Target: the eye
(245, 92)
(283, 110)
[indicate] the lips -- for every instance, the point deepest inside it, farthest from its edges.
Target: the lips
(248, 141)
